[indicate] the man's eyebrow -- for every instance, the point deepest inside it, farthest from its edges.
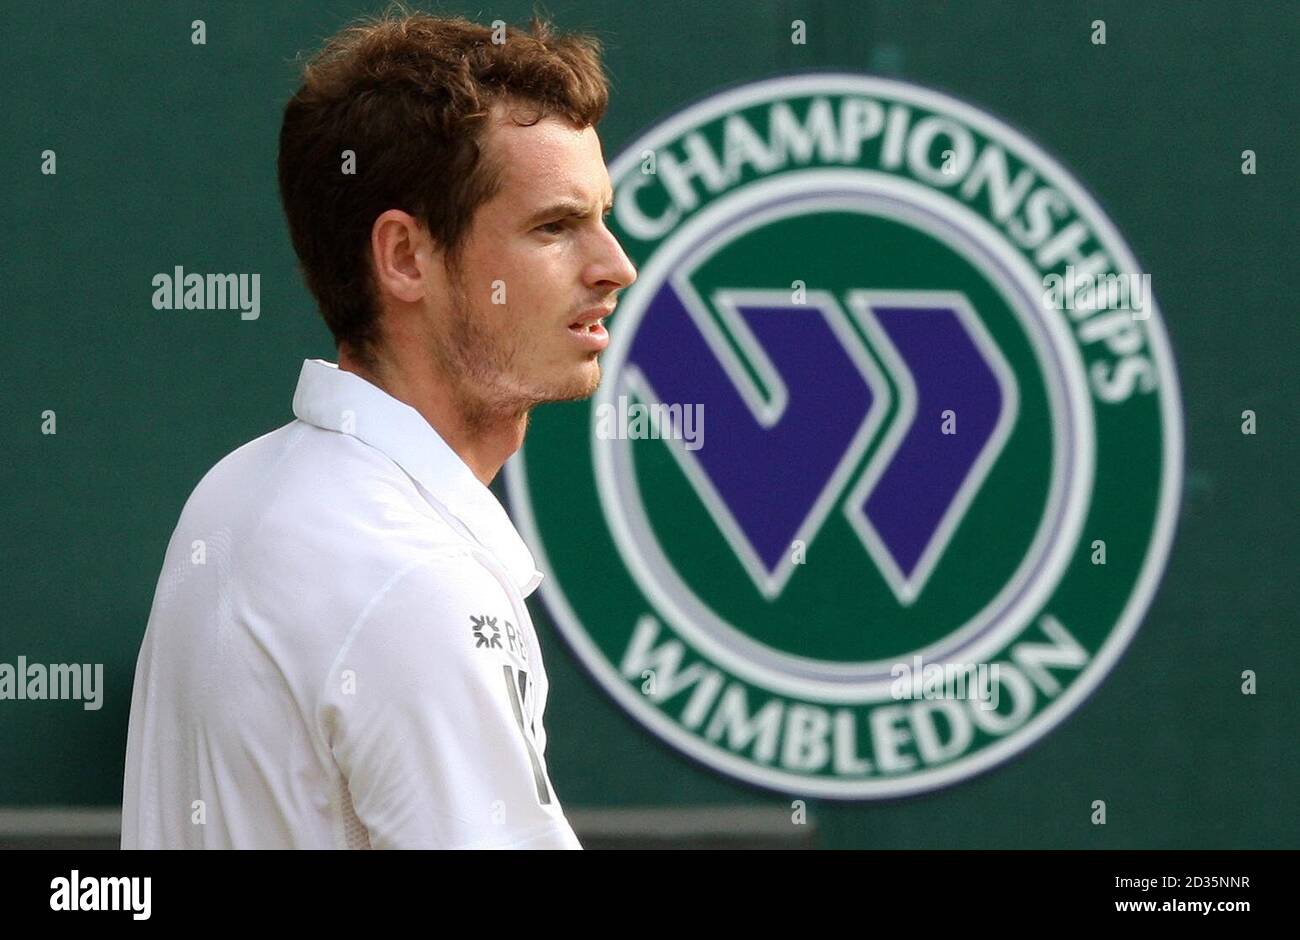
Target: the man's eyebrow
(564, 208)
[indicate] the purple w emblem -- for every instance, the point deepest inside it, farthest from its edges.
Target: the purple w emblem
(782, 455)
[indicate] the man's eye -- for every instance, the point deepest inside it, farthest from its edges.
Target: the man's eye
(556, 226)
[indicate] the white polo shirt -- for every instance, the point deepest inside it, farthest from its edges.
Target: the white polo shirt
(339, 653)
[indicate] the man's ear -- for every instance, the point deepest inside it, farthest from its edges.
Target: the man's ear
(400, 256)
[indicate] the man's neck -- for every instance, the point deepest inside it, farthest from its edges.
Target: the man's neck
(483, 440)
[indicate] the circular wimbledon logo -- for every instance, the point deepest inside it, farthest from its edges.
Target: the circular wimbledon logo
(883, 469)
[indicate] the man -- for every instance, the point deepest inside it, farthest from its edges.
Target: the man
(339, 653)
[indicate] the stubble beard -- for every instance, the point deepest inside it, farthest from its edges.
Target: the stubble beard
(484, 368)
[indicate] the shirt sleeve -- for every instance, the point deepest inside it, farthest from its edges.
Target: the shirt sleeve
(431, 714)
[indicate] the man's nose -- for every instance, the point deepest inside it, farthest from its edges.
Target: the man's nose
(615, 268)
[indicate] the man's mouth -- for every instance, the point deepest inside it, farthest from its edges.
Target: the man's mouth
(590, 332)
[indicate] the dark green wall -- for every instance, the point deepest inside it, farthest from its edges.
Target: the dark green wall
(166, 156)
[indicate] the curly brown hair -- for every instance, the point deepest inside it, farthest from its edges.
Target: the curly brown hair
(408, 93)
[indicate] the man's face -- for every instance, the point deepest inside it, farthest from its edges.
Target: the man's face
(537, 268)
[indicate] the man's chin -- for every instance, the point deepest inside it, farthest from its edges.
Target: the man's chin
(582, 385)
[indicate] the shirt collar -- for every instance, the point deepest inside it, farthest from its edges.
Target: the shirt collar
(339, 400)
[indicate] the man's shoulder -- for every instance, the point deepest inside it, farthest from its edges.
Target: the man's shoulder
(305, 496)
(296, 452)
(304, 469)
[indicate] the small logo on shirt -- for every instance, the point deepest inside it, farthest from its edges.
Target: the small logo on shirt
(487, 633)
